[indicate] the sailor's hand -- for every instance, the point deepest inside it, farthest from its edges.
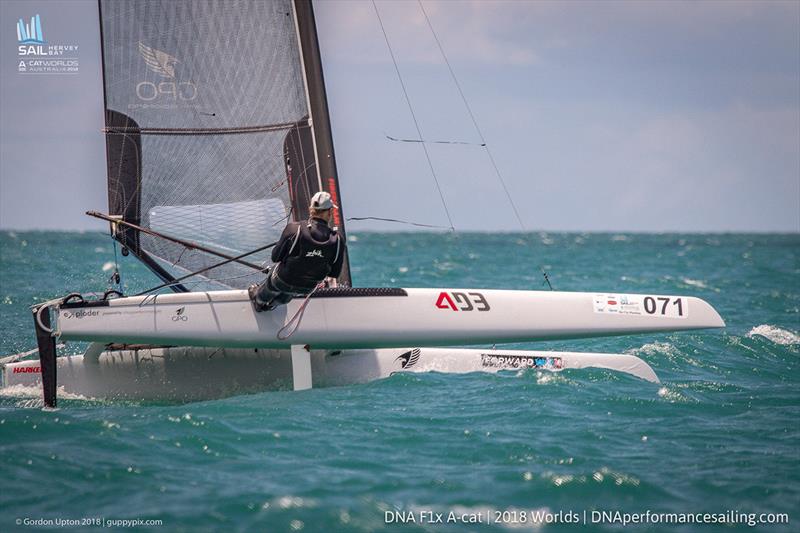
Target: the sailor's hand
(331, 282)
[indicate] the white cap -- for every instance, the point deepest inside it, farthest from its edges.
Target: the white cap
(322, 201)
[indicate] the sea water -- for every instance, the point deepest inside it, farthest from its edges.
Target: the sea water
(516, 451)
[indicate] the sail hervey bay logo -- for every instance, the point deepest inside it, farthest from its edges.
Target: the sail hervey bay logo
(37, 56)
(168, 90)
(30, 33)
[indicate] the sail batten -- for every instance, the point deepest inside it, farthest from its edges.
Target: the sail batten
(199, 131)
(209, 128)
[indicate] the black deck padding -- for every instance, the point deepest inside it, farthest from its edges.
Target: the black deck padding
(358, 292)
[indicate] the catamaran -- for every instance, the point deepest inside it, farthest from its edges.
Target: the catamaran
(218, 133)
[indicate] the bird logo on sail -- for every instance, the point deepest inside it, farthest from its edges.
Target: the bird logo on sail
(158, 61)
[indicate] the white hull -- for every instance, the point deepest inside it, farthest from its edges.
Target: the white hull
(379, 318)
(186, 374)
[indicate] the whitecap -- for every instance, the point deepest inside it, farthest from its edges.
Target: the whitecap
(775, 334)
(618, 478)
(293, 502)
(655, 348)
(694, 283)
(671, 396)
(108, 266)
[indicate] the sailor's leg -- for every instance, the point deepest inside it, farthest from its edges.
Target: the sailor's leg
(263, 294)
(277, 298)
(282, 299)
(301, 367)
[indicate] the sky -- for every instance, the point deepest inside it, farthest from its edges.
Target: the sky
(600, 116)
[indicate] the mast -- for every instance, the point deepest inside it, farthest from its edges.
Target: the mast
(319, 115)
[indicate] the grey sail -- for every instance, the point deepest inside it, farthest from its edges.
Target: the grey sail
(216, 119)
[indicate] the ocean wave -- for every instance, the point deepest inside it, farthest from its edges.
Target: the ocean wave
(655, 348)
(672, 396)
(775, 334)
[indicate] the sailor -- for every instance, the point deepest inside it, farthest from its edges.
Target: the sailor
(307, 253)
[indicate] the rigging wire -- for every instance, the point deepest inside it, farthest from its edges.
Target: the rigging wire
(472, 117)
(395, 139)
(413, 116)
(293, 323)
(419, 224)
(478, 131)
(237, 259)
(151, 291)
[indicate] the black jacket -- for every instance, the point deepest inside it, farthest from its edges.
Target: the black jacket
(308, 252)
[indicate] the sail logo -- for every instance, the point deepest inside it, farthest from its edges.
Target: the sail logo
(462, 301)
(170, 89)
(158, 61)
(30, 33)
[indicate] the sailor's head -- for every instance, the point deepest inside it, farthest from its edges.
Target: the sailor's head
(322, 206)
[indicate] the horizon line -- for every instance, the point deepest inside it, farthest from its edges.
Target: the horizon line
(499, 231)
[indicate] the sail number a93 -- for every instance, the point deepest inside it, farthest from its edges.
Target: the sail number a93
(663, 306)
(462, 301)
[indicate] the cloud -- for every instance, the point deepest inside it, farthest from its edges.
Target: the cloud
(530, 33)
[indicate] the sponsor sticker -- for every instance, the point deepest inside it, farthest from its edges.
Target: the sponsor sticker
(517, 361)
(80, 313)
(409, 358)
(180, 315)
(641, 305)
(27, 370)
